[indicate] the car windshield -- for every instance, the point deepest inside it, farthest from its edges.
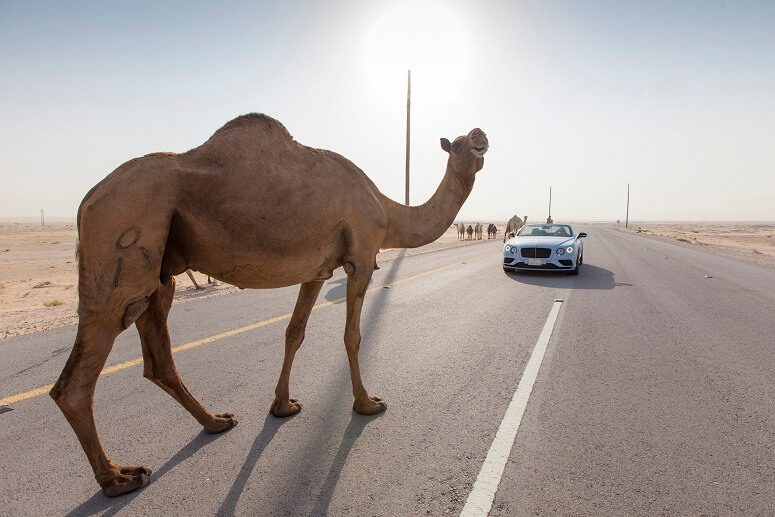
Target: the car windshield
(545, 230)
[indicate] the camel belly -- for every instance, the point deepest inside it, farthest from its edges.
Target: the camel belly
(264, 272)
(252, 256)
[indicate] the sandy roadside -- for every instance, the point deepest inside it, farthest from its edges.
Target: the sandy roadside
(750, 242)
(39, 276)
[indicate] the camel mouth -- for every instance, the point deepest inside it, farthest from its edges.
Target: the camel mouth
(479, 151)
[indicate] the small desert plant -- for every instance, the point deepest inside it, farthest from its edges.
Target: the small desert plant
(53, 303)
(25, 295)
(684, 240)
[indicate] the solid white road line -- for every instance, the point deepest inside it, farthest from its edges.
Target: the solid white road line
(482, 494)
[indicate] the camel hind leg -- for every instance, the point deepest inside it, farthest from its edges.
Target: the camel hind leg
(159, 366)
(74, 394)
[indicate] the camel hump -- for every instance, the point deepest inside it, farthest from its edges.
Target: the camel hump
(160, 154)
(258, 121)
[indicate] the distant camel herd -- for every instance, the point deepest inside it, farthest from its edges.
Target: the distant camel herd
(475, 231)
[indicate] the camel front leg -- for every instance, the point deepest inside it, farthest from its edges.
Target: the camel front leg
(283, 404)
(356, 290)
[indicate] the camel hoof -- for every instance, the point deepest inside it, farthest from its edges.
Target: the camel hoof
(372, 406)
(223, 422)
(127, 480)
(282, 410)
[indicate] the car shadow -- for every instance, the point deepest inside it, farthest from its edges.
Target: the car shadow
(590, 277)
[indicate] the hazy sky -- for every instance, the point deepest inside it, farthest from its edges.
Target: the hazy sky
(676, 98)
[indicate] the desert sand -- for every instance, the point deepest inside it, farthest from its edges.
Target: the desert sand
(751, 242)
(39, 276)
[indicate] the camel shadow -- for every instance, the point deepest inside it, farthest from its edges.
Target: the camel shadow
(354, 429)
(338, 293)
(340, 396)
(271, 425)
(590, 277)
(111, 506)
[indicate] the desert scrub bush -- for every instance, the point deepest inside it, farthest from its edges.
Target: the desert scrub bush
(53, 303)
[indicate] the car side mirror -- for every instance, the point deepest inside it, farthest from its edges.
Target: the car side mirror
(581, 235)
(512, 235)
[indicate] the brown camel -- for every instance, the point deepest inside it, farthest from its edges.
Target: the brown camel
(193, 280)
(470, 231)
(514, 224)
(478, 231)
(492, 230)
(210, 280)
(251, 207)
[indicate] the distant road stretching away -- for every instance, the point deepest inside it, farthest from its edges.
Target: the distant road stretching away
(653, 394)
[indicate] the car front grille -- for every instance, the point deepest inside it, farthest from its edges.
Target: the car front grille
(548, 265)
(536, 252)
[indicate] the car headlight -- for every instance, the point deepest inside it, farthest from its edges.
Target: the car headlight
(570, 249)
(561, 251)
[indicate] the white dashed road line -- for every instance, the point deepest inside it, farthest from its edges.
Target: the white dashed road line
(482, 494)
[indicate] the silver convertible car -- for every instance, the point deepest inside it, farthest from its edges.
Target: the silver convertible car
(544, 247)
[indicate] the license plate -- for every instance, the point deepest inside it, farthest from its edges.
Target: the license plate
(536, 262)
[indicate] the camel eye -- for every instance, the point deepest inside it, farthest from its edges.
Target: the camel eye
(455, 147)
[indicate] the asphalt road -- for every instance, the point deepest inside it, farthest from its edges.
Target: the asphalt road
(655, 395)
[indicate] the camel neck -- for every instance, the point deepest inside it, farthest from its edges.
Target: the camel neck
(413, 226)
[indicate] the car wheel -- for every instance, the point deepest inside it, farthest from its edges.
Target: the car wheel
(575, 270)
(581, 259)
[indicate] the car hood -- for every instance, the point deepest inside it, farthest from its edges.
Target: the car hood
(540, 242)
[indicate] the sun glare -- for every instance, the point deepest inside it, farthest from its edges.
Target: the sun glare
(427, 37)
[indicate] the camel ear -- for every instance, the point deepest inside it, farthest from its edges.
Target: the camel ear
(445, 144)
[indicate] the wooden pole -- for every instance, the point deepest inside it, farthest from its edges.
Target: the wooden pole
(627, 216)
(408, 111)
(550, 202)
(42, 220)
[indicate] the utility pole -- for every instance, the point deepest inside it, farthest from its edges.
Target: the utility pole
(550, 204)
(408, 111)
(42, 220)
(627, 216)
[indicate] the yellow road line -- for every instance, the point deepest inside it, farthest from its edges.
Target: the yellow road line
(134, 362)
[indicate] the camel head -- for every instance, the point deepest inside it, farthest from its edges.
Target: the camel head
(466, 153)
